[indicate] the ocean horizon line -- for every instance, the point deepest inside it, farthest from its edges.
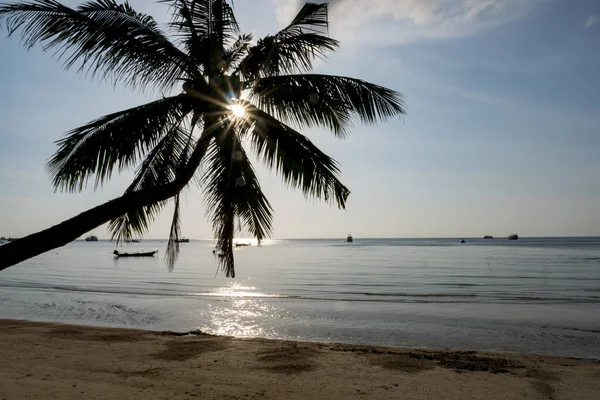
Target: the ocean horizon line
(377, 238)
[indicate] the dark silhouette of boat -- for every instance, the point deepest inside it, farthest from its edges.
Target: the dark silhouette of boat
(183, 240)
(488, 237)
(132, 241)
(513, 236)
(463, 241)
(243, 244)
(136, 254)
(349, 239)
(91, 238)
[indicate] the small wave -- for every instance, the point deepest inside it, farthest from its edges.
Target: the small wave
(458, 284)
(584, 330)
(401, 294)
(358, 296)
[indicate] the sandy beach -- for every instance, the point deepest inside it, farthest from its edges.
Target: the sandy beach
(45, 360)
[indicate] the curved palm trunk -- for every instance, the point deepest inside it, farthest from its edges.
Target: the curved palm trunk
(69, 230)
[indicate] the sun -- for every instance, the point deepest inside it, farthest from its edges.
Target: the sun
(237, 111)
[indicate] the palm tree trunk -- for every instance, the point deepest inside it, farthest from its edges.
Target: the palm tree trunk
(69, 230)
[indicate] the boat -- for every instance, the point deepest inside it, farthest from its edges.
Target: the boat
(242, 244)
(183, 240)
(463, 241)
(91, 238)
(349, 239)
(136, 254)
(513, 236)
(132, 241)
(488, 237)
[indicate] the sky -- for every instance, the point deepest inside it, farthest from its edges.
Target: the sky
(502, 133)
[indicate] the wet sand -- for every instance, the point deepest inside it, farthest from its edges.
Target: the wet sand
(44, 360)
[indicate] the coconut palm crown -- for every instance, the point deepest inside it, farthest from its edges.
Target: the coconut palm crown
(227, 92)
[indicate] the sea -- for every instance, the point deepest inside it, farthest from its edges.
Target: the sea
(532, 295)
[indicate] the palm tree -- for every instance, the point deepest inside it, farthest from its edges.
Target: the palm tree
(225, 92)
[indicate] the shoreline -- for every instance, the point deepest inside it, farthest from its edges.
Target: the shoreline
(44, 359)
(199, 332)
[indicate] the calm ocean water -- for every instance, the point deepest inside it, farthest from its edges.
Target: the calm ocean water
(538, 295)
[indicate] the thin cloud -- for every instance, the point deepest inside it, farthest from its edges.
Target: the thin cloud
(591, 21)
(405, 21)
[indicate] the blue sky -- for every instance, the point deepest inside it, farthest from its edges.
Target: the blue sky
(502, 132)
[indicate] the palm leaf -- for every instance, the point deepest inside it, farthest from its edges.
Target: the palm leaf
(115, 140)
(232, 191)
(173, 245)
(295, 158)
(292, 49)
(158, 168)
(136, 221)
(332, 102)
(104, 38)
(205, 27)
(161, 166)
(184, 29)
(237, 51)
(214, 19)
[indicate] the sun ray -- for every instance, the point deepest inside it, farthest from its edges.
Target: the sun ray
(237, 110)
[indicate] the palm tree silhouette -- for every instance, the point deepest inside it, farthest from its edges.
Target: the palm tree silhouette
(225, 93)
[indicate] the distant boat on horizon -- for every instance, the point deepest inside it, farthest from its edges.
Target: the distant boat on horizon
(488, 237)
(513, 236)
(132, 241)
(183, 240)
(91, 238)
(349, 239)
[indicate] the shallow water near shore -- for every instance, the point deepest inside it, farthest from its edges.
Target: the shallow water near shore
(534, 295)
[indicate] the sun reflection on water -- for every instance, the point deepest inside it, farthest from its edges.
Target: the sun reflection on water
(240, 317)
(236, 289)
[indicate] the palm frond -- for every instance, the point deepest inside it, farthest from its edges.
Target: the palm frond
(172, 252)
(252, 207)
(296, 159)
(104, 38)
(234, 54)
(232, 191)
(158, 168)
(333, 102)
(292, 49)
(183, 27)
(115, 140)
(161, 164)
(136, 221)
(214, 19)
(205, 27)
